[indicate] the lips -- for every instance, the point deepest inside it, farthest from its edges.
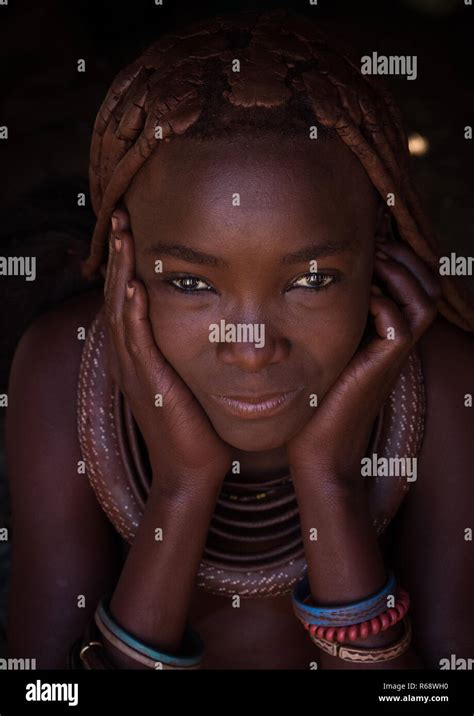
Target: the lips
(253, 407)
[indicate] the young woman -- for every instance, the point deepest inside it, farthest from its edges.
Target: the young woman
(264, 444)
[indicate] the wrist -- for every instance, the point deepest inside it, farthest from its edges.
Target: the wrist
(339, 515)
(384, 638)
(184, 492)
(329, 484)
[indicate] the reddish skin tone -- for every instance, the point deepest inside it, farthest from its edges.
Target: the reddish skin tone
(288, 200)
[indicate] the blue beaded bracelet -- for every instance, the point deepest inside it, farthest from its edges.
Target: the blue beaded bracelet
(339, 616)
(192, 647)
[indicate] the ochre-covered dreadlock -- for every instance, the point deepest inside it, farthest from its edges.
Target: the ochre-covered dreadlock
(282, 56)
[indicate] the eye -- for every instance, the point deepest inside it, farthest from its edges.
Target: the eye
(315, 280)
(190, 284)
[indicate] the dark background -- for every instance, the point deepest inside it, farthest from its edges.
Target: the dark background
(50, 109)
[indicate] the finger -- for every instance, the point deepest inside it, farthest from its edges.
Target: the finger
(123, 270)
(378, 362)
(120, 270)
(109, 264)
(389, 322)
(404, 254)
(141, 345)
(111, 354)
(120, 221)
(123, 218)
(373, 368)
(108, 294)
(140, 339)
(409, 295)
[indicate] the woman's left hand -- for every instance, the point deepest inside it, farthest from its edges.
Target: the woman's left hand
(335, 439)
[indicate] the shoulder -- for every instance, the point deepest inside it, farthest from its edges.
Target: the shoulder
(43, 377)
(58, 328)
(447, 356)
(447, 453)
(42, 387)
(447, 347)
(42, 392)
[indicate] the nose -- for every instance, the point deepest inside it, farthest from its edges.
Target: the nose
(252, 356)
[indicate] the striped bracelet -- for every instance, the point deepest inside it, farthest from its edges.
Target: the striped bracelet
(191, 653)
(340, 615)
(363, 630)
(364, 655)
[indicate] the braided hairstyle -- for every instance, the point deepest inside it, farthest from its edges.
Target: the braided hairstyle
(290, 79)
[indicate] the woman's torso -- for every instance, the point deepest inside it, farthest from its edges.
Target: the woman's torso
(264, 632)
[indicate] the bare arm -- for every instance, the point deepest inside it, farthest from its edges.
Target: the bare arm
(63, 546)
(153, 595)
(66, 554)
(345, 563)
(326, 456)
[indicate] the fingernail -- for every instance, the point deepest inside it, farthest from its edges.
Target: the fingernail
(381, 255)
(115, 222)
(118, 244)
(130, 289)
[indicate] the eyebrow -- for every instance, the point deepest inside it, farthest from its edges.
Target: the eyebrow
(307, 253)
(316, 251)
(185, 253)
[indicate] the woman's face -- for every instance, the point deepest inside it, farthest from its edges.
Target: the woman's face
(238, 226)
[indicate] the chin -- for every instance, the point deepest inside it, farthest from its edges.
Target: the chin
(254, 438)
(253, 445)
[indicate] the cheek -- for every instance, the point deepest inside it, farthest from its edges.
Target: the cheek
(336, 334)
(181, 337)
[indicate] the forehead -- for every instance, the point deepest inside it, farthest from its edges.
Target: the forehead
(222, 183)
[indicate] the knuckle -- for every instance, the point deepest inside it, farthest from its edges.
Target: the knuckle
(429, 311)
(165, 381)
(112, 317)
(110, 313)
(436, 292)
(428, 317)
(405, 336)
(133, 348)
(161, 376)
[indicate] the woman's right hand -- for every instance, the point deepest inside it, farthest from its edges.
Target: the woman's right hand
(185, 452)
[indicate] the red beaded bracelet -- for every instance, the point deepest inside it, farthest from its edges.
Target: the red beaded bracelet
(363, 630)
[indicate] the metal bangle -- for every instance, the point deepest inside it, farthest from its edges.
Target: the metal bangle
(89, 646)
